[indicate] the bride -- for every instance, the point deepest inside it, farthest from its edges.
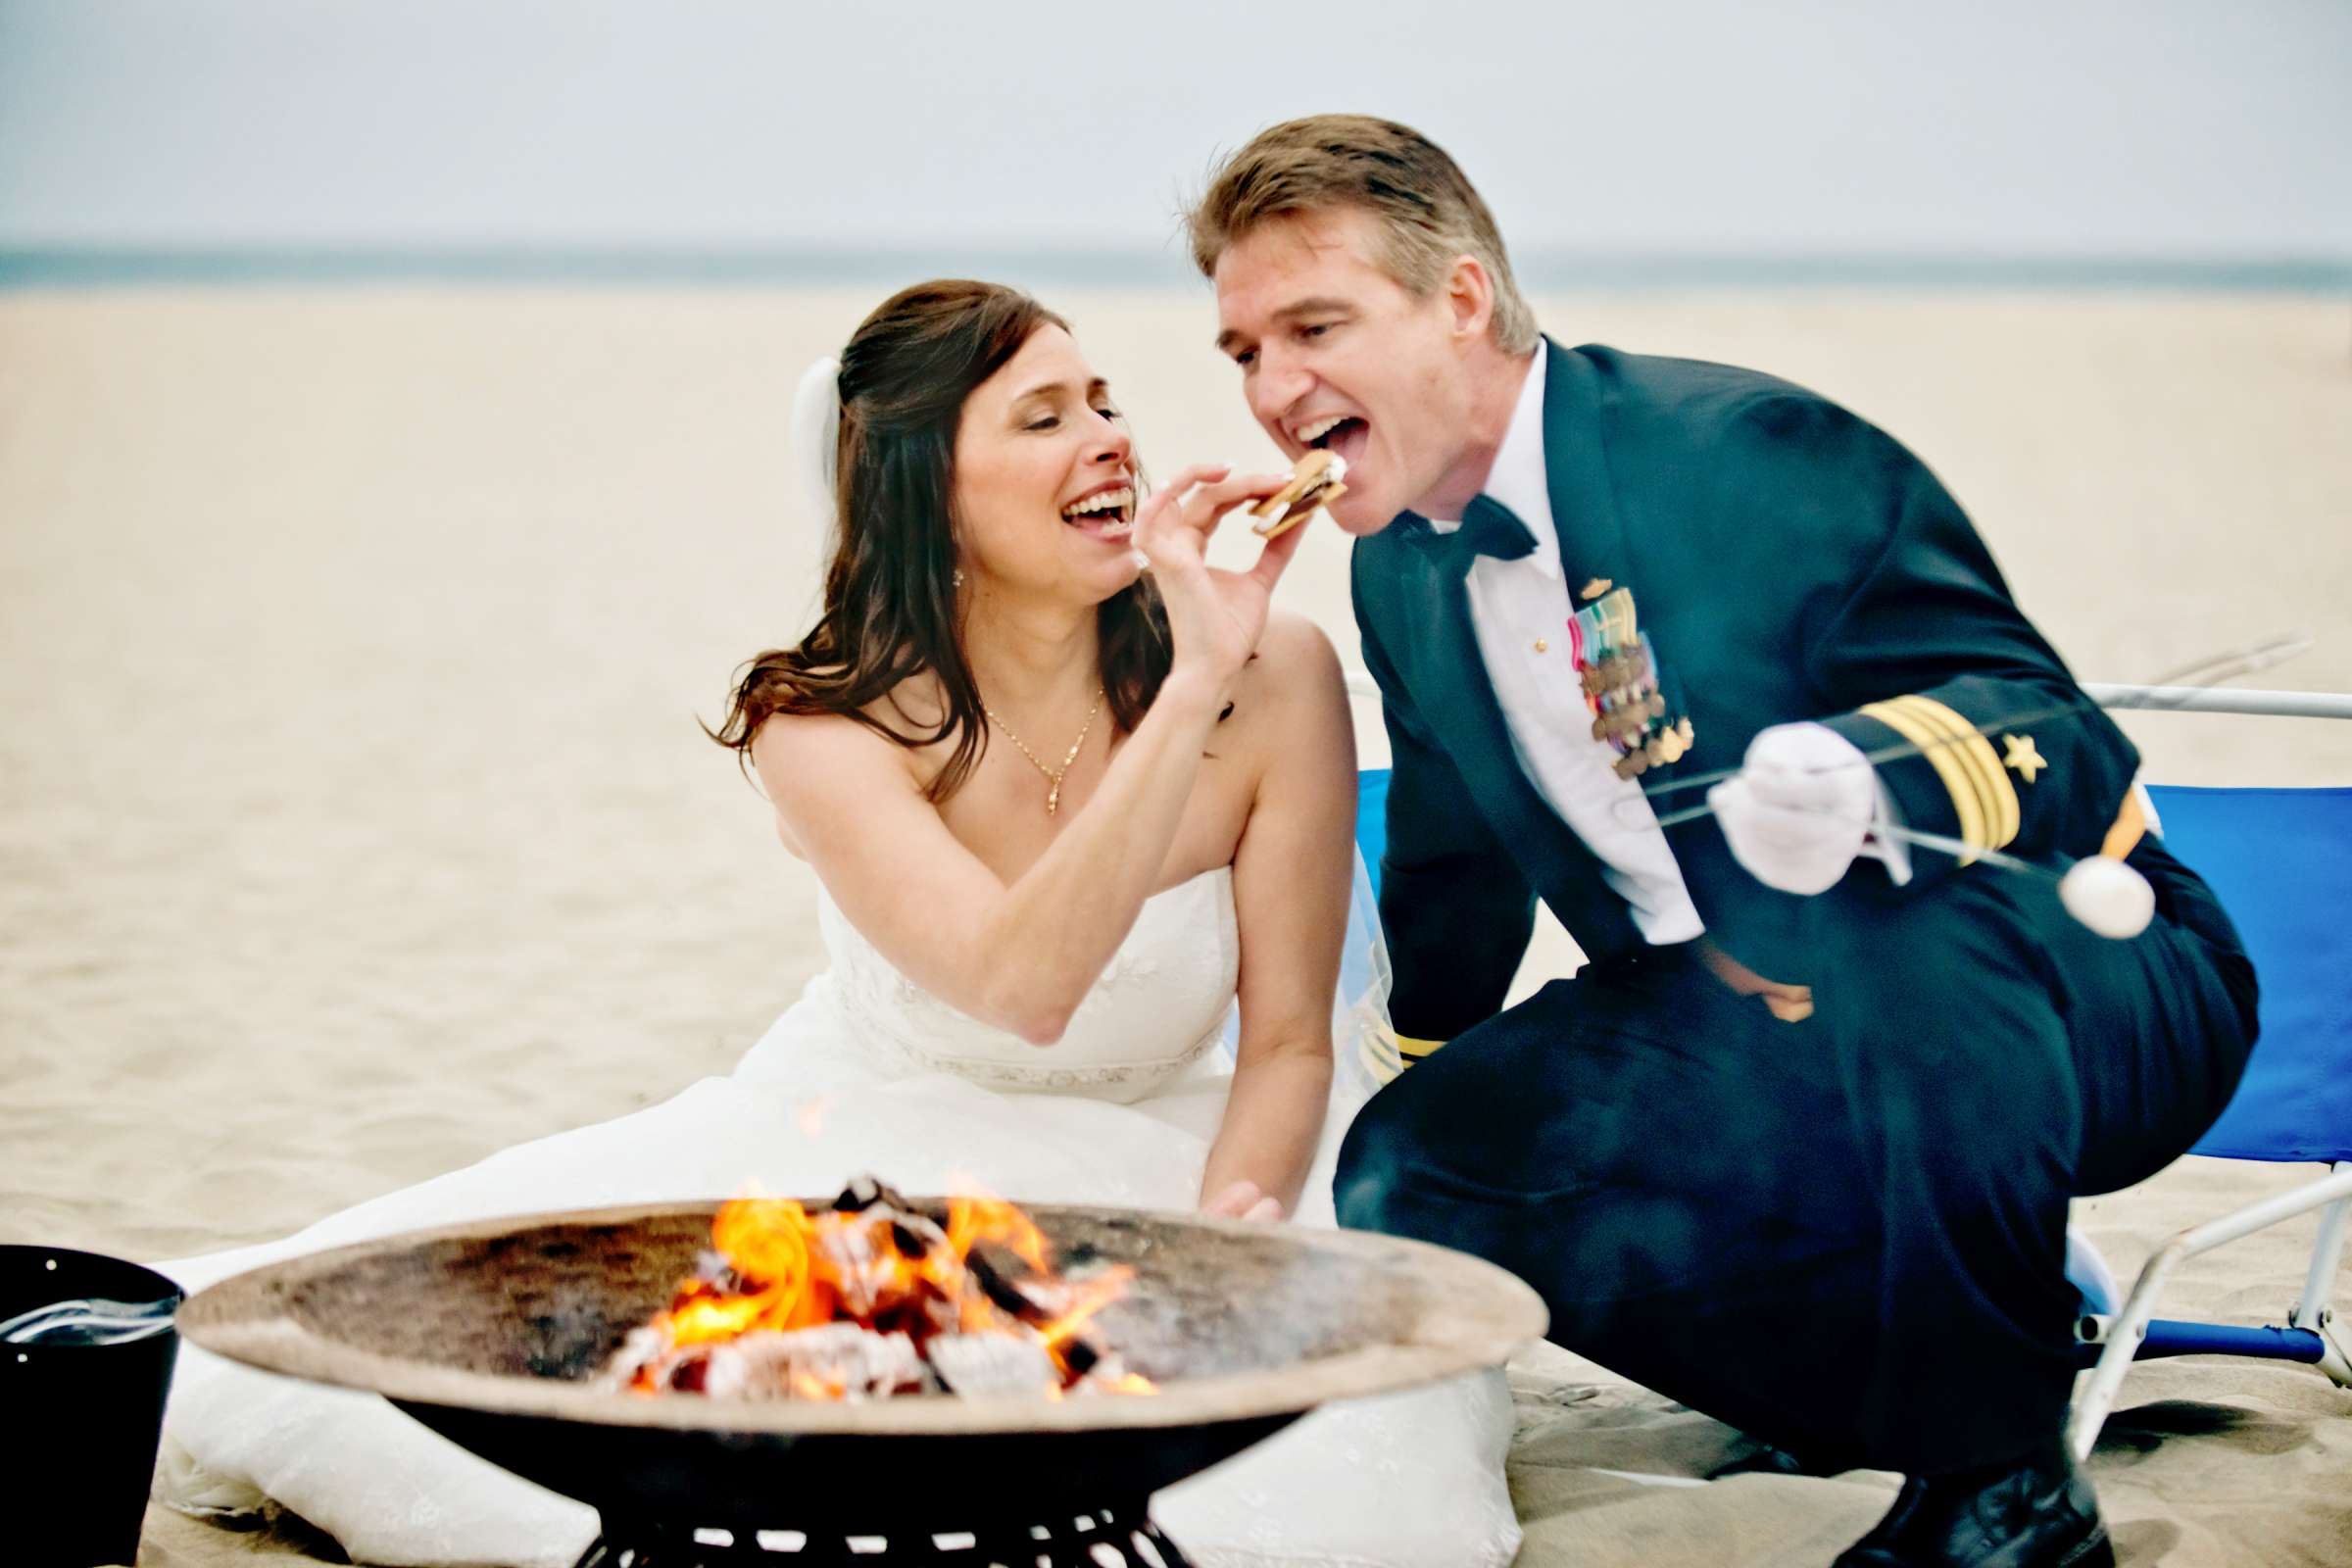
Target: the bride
(1063, 814)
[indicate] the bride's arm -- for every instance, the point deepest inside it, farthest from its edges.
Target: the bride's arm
(1022, 956)
(1291, 880)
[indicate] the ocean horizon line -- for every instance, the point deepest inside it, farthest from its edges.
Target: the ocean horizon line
(62, 266)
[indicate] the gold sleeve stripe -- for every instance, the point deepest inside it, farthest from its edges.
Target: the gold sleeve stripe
(1967, 804)
(1378, 1051)
(1994, 789)
(1995, 792)
(2002, 812)
(1414, 1051)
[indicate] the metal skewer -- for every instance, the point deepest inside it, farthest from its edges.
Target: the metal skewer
(1961, 849)
(2107, 896)
(2177, 689)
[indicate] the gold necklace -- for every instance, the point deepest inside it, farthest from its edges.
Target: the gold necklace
(1054, 794)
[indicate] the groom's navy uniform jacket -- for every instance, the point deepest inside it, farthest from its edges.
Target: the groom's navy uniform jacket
(1790, 561)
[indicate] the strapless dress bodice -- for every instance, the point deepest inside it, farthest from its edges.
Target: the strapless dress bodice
(1157, 1007)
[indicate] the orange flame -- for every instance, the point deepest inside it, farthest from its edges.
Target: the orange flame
(796, 1270)
(1087, 1297)
(973, 1220)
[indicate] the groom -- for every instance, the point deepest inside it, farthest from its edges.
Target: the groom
(1795, 1145)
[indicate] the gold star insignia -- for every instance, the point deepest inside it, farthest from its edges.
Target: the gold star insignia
(2023, 757)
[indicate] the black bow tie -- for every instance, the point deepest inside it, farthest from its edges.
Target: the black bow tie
(1489, 529)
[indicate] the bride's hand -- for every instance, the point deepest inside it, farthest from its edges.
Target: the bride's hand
(1245, 1199)
(1215, 616)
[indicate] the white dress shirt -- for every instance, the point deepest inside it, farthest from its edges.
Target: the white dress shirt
(1520, 609)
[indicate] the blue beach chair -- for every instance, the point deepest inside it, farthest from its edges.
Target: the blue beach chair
(2281, 861)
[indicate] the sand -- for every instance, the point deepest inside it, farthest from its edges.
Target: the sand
(354, 823)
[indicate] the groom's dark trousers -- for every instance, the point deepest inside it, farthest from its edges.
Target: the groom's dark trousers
(1844, 1235)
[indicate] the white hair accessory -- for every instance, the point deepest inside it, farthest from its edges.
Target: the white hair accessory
(816, 432)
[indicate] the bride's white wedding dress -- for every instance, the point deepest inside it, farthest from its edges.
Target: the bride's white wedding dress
(869, 1073)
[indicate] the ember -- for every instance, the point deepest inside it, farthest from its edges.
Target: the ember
(872, 1298)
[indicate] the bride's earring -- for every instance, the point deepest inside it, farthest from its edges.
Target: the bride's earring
(957, 578)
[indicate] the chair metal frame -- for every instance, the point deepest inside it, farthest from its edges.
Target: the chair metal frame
(2135, 1333)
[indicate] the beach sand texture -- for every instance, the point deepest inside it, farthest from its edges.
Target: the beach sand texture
(354, 823)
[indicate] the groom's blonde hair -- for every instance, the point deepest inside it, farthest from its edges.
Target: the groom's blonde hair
(1426, 210)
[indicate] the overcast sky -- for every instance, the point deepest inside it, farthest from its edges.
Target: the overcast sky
(2068, 127)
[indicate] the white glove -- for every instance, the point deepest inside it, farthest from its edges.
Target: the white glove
(1800, 808)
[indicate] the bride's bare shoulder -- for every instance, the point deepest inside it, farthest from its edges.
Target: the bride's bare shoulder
(1290, 705)
(1295, 666)
(812, 767)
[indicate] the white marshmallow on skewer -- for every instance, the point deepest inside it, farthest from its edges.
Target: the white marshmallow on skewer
(2108, 896)
(2101, 893)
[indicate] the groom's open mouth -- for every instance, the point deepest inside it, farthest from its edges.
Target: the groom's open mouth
(1104, 513)
(1345, 434)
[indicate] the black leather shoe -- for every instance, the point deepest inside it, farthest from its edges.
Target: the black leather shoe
(2038, 1513)
(1766, 1461)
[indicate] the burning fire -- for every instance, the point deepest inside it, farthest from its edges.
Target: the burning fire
(872, 1297)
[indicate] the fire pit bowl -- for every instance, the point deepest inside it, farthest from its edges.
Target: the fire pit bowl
(493, 1335)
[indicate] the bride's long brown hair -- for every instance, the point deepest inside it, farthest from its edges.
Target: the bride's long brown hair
(890, 609)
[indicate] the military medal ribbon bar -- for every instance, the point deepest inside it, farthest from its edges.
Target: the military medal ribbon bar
(1619, 668)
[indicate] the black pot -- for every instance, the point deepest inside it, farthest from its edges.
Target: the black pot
(83, 1420)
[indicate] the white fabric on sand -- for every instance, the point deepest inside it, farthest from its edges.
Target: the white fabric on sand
(867, 1072)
